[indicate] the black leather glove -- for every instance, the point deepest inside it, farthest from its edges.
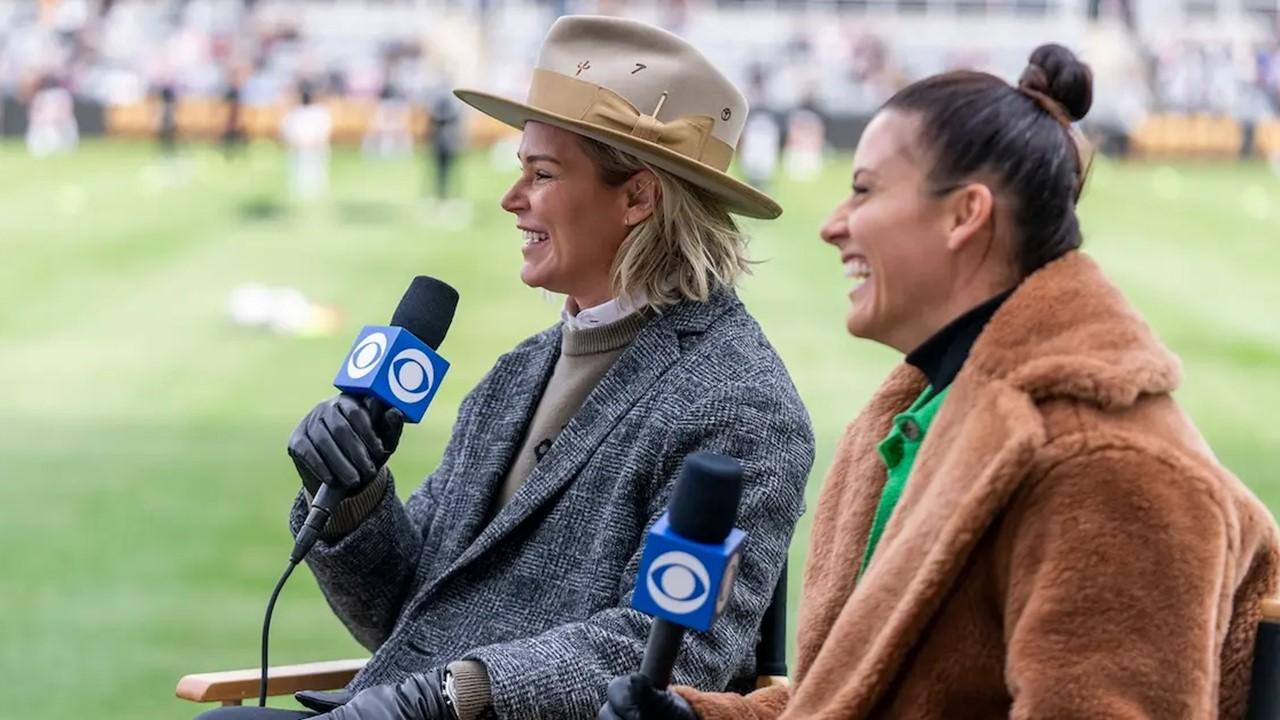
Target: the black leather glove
(418, 697)
(633, 697)
(344, 442)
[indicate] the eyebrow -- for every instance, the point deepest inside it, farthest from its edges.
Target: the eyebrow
(538, 158)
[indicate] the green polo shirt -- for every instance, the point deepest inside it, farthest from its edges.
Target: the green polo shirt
(898, 450)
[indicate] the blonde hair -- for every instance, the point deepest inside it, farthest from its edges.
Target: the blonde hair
(689, 245)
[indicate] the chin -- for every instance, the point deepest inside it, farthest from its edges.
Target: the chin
(854, 323)
(854, 328)
(859, 326)
(532, 278)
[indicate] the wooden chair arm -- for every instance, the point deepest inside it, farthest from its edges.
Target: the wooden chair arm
(764, 681)
(232, 686)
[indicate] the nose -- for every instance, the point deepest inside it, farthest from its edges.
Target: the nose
(515, 200)
(836, 227)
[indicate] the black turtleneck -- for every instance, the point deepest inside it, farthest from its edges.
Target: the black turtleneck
(942, 355)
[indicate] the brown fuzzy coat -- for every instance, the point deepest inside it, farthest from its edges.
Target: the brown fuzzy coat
(1067, 545)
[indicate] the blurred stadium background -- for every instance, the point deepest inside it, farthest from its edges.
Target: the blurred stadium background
(171, 305)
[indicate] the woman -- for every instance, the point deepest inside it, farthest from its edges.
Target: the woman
(503, 585)
(1022, 522)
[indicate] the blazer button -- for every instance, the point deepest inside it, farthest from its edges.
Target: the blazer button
(910, 430)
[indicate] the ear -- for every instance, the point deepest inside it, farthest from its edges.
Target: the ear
(643, 193)
(968, 214)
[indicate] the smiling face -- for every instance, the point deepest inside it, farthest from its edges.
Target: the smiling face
(905, 246)
(571, 222)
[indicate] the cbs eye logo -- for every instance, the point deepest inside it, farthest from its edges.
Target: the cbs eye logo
(410, 376)
(678, 582)
(366, 355)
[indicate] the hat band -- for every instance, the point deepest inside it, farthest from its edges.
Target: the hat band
(689, 136)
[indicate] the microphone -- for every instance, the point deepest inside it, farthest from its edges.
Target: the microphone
(690, 559)
(390, 366)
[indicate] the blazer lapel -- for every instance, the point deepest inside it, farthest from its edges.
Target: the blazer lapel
(979, 448)
(525, 373)
(654, 351)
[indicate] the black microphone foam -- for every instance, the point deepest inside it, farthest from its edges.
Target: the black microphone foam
(705, 501)
(426, 310)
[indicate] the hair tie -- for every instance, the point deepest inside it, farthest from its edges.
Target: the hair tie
(1034, 83)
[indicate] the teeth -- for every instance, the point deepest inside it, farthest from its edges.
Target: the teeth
(856, 268)
(531, 237)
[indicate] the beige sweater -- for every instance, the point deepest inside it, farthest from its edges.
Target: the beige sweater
(585, 356)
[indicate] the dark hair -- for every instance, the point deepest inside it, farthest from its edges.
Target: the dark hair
(975, 124)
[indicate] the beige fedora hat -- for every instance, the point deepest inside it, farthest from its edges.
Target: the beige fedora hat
(642, 90)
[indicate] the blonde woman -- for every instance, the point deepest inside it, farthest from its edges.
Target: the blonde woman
(503, 585)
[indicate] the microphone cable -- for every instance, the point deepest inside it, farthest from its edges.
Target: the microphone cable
(266, 630)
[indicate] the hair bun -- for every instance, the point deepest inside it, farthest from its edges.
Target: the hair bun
(1056, 72)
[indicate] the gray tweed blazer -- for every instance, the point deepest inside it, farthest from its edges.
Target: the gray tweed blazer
(541, 594)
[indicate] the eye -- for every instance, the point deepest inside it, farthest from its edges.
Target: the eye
(542, 175)
(860, 190)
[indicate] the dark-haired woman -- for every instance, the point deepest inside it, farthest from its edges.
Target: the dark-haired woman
(1022, 522)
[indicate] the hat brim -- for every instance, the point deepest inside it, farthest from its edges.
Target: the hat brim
(737, 196)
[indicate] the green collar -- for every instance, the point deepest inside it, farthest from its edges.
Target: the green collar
(898, 451)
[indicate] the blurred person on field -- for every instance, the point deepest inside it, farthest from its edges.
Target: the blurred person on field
(445, 139)
(51, 120)
(390, 131)
(232, 137)
(761, 136)
(502, 587)
(306, 129)
(805, 145)
(167, 123)
(1021, 523)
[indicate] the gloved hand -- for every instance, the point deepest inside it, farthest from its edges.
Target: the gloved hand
(633, 697)
(344, 442)
(418, 697)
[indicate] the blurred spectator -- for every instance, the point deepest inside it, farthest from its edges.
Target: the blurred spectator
(806, 143)
(232, 137)
(390, 132)
(445, 138)
(1268, 72)
(168, 124)
(761, 137)
(51, 124)
(306, 130)
(874, 76)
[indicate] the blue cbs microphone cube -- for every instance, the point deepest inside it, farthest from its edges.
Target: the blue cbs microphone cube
(393, 365)
(686, 582)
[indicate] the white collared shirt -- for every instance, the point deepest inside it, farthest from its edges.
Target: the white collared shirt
(602, 314)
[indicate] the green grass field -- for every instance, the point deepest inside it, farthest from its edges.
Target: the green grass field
(143, 478)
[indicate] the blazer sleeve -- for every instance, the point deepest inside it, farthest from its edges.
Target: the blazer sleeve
(367, 574)
(563, 672)
(1116, 589)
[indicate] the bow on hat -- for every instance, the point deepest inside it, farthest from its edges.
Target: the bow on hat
(689, 135)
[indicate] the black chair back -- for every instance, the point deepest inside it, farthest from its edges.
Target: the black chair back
(1264, 691)
(771, 651)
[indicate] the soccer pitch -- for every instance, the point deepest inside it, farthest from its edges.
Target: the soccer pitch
(143, 478)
